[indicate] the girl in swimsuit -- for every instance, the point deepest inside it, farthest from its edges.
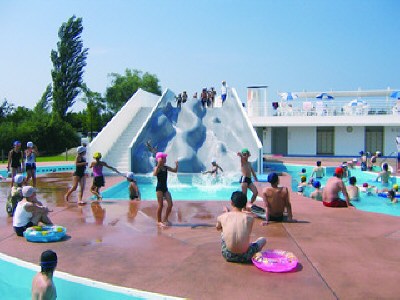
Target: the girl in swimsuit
(79, 175)
(161, 171)
(98, 177)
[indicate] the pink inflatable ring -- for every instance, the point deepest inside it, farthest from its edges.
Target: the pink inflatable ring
(275, 260)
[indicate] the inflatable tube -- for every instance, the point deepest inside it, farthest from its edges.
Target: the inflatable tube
(275, 261)
(385, 195)
(45, 234)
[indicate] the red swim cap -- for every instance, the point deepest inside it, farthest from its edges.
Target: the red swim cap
(339, 171)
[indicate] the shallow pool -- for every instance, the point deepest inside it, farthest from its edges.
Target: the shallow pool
(197, 187)
(371, 203)
(182, 187)
(16, 279)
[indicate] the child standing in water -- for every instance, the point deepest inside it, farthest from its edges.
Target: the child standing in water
(247, 170)
(79, 175)
(134, 193)
(161, 171)
(98, 177)
(134, 196)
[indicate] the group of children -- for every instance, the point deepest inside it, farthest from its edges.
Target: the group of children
(20, 161)
(352, 189)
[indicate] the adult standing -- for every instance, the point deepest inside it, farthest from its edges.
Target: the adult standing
(31, 153)
(224, 91)
(334, 185)
(43, 286)
(15, 161)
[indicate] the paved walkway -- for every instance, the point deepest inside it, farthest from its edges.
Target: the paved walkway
(343, 253)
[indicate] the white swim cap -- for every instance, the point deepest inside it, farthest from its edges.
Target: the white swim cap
(130, 175)
(18, 178)
(80, 149)
(29, 144)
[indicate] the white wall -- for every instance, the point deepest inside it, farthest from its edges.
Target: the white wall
(389, 142)
(349, 143)
(302, 140)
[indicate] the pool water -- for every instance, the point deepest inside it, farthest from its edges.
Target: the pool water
(371, 203)
(182, 187)
(197, 187)
(16, 279)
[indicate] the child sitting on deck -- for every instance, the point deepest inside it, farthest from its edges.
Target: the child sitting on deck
(277, 201)
(236, 229)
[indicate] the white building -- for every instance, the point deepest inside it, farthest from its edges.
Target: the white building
(308, 126)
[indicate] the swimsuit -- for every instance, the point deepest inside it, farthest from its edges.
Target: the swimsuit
(30, 163)
(16, 159)
(80, 170)
(239, 257)
(133, 195)
(98, 180)
(275, 219)
(335, 203)
(245, 179)
(162, 181)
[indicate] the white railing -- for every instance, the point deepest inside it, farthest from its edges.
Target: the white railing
(327, 108)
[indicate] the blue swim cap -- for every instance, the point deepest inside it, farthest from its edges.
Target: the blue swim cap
(272, 177)
(316, 184)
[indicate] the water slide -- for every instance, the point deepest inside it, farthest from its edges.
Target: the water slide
(193, 135)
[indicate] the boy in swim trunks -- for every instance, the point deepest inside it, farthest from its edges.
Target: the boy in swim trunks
(277, 200)
(334, 185)
(247, 170)
(235, 227)
(214, 169)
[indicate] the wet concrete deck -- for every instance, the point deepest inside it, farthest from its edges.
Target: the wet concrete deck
(343, 253)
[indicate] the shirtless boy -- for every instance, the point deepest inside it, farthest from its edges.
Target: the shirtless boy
(42, 284)
(236, 227)
(276, 200)
(334, 185)
(214, 169)
(247, 170)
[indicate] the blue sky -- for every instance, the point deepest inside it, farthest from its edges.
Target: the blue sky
(289, 45)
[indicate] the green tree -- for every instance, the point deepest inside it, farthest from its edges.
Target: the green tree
(95, 104)
(124, 86)
(68, 63)
(6, 109)
(43, 104)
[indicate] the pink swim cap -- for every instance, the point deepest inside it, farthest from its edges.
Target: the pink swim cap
(161, 155)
